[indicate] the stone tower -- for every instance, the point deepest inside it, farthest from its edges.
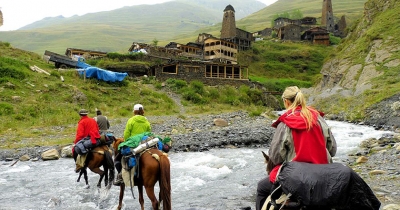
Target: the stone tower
(228, 23)
(327, 16)
(1, 18)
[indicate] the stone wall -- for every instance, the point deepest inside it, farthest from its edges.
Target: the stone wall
(192, 72)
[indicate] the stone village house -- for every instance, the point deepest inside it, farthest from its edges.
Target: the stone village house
(209, 59)
(307, 28)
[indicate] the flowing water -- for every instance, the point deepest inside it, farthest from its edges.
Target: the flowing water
(217, 179)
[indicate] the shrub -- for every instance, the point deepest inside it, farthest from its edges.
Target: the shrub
(197, 86)
(6, 109)
(12, 68)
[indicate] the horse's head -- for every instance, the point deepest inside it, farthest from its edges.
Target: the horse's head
(270, 164)
(116, 143)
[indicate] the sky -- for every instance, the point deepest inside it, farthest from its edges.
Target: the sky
(19, 13)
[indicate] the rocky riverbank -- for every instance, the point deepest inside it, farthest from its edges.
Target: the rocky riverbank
(378, 161)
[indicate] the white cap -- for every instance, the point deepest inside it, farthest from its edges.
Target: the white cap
(137, 107)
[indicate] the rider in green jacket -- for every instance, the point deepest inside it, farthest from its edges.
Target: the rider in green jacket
(136, 125)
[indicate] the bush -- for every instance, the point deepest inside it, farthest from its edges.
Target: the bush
(176, 83)
(334, 40)
(12, 68)
(6, 109)
(197, 86)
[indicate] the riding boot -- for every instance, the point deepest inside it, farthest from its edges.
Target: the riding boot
(118, 181)
(80, 162)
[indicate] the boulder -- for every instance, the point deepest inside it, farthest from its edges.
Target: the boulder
(24, 158)
(67, 151)
(220, 122)
(51, 154)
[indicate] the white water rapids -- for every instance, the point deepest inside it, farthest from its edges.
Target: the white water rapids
(216, 179)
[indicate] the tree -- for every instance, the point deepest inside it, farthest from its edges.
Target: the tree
(155, 42)
(296, 14)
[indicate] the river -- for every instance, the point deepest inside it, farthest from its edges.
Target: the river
(219, 179)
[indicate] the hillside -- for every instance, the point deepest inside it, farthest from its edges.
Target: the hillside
(34, 107)
(114, 31)
(363, 70)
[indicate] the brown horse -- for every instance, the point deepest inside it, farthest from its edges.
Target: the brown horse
(97, 157)
(150, 171)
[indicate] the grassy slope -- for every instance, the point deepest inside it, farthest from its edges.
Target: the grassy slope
(44, 100)
(355, 48)
(277, 65)
(35, 107)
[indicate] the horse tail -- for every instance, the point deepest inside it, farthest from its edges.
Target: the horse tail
(165, 182)
(110, 166)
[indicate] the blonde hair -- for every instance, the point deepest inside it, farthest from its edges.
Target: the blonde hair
(296, 97)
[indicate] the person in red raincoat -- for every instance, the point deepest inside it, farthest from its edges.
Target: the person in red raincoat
(87, 128)
(301, 135)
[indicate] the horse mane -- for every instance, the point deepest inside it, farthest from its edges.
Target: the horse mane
(270, 164)
(116, 143)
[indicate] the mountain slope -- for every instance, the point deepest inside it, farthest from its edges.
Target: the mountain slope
(116, 30)
(364, 69)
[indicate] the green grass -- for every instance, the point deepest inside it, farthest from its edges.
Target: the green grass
(37, 107)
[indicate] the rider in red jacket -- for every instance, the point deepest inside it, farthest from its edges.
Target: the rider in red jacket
(87, 127)
(301, 135)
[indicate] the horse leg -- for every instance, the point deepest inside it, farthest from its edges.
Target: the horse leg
(105, 176)
(79, 177)
(152, 197)
(121, 195)
(101, 173)
(141, 199)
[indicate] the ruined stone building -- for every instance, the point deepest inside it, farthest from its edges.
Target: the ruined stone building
(264, 33)
(207, 72)
(327, 18)
(190, 50)
(230, 33)
(70, 52)
(290, 32)
(288, 29)
(208, 59)
(316, 35)
(340, 28)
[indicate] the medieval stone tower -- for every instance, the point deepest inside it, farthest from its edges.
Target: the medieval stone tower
(228, 23)
(327, 16)
(1, 18)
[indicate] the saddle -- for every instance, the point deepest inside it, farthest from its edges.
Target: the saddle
(85, 145)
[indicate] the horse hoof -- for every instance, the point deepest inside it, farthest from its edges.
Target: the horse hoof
(86, 186)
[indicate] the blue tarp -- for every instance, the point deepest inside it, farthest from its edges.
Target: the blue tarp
(101, 74)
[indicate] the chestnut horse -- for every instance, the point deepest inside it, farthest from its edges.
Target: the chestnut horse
(150, 171)
(97, 157)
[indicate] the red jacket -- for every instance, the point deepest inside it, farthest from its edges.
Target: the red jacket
(309, 145)
(87, 127)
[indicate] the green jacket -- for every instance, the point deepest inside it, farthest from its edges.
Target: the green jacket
(136, 125)
(134, 141)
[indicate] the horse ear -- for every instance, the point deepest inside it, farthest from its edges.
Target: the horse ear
(265, 156)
